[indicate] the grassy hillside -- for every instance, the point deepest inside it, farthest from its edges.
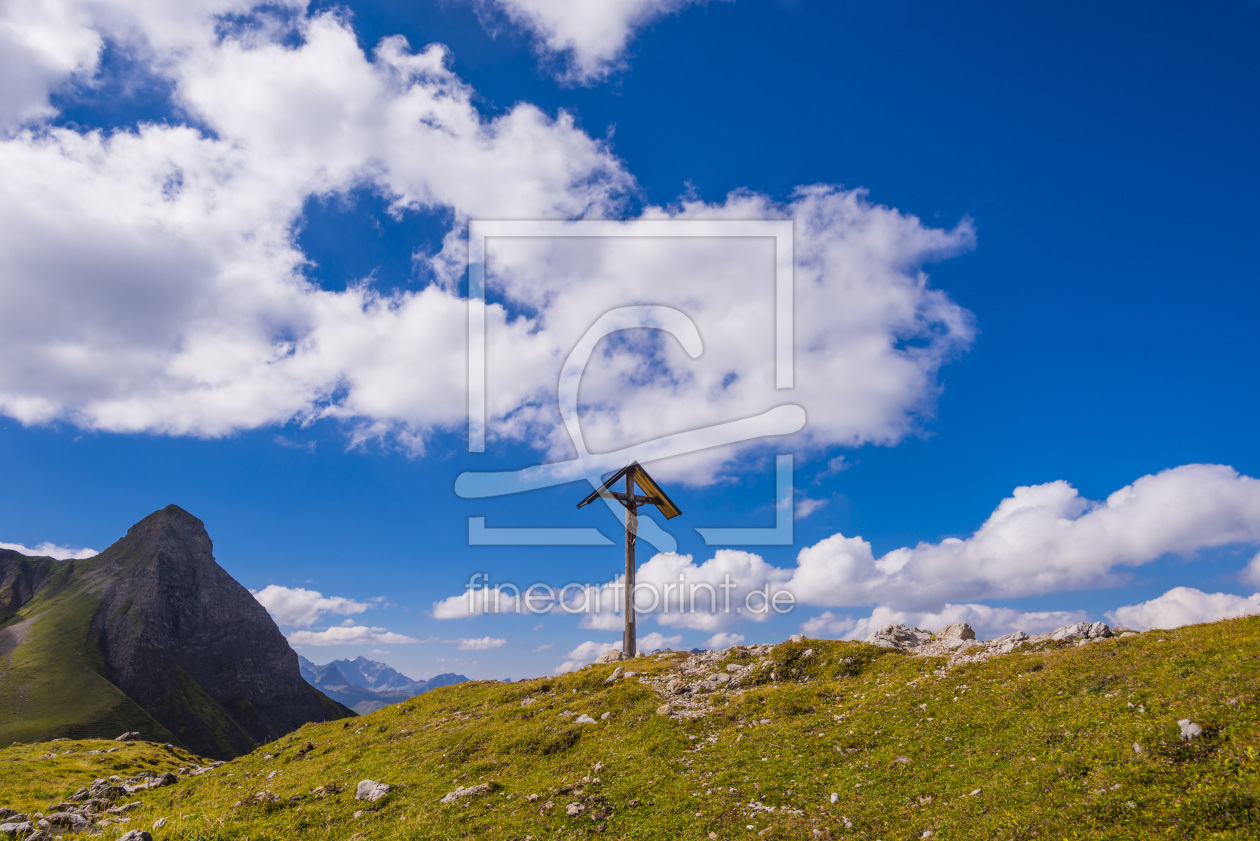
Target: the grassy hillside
(53, 683)
(1077, 742)
(33, 777)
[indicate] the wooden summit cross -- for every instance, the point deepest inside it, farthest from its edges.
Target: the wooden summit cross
(651, 495)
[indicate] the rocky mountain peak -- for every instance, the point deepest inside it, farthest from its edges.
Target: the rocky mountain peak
(170, 632)
(170, 533)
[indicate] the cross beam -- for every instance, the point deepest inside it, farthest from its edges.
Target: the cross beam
(634, 474)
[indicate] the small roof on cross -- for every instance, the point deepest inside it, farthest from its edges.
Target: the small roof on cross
(653, 495)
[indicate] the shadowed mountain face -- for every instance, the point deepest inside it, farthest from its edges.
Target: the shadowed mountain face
(365, 685)
(154, 636)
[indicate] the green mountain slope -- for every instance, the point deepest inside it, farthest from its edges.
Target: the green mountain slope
(53, 685)
(1068, 742)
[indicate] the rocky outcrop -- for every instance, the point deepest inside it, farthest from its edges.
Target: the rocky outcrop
(958, 641)
(21, 577)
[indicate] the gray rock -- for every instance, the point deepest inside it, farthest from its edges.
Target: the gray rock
(126, 807)
(584, 719)
(899, 637)
(136, 835)
(612, 678)
(796, 638)
(956, 631)
(612, 655)
(370, 790)
(16, 828)
(1189, 730)
(471, 791)
(165, 780)
(1080, 631)
(574, 809)
(64, 822)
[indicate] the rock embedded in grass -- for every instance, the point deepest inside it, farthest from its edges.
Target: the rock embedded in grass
(370, 790)
(1189, 730)
(451, 797)
(62, 822)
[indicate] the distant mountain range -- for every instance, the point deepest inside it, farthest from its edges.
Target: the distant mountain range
(150, 636)
(365, 685)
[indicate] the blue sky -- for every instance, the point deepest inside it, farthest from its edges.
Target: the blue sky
(232, 277)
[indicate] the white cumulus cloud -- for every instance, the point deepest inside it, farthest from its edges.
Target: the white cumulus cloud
(1042, 539)
(297, 606)
(481, 643)
(583, 653)
(168, 257)
(1251, 573)
(50, 550)
(656, 641)
(592, 36)
(721, 641)
(1184, 606)
(349, 635)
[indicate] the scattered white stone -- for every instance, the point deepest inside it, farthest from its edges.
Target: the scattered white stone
(481, 788)
(159, 823)
(835, 798)
(584, 719)
(1189, 730)
(370, 790)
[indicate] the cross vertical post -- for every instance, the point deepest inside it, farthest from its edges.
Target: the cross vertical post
(632, 528)
(652, 495)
